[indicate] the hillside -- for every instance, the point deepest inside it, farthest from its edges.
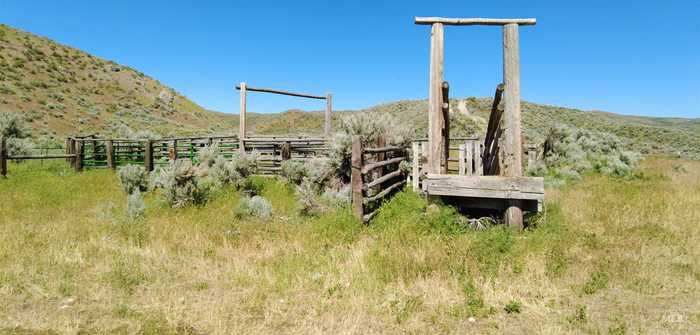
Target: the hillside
(60, 90)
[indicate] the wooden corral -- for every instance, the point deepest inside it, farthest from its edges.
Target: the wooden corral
(502, 154)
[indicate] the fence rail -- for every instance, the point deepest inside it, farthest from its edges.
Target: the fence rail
(376, 175)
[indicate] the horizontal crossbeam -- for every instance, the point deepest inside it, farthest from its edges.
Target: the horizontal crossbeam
(270, 90)
(474, 21)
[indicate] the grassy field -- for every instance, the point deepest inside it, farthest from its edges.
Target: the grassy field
(609, 256)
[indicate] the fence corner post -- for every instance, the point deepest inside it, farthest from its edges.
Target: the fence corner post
(148, 156)
(356, 177)
(462, 164)
(3, 157)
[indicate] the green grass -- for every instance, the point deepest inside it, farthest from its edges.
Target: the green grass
(608, 255)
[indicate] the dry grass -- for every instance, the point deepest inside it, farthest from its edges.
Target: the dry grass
(613, 256)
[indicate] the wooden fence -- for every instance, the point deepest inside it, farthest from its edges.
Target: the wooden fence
(91, 152)
(376, 175)
(464, 158)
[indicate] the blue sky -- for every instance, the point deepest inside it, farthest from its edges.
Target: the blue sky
(630, 57)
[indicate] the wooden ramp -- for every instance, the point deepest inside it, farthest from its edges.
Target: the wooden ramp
(487, 191)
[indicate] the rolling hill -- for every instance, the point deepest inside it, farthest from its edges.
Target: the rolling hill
(60, 90)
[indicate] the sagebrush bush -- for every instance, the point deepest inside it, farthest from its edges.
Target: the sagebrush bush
(293, 171)
(256, 206)
(133, 178)
(246, 164)
(370, 126)
(571, 152)
(222, 172)
(207, 155)
(180, 185)
(12, 126)
(135, 206)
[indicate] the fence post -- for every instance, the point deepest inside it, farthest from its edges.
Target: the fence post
(415, 148)
(469, 153)
(68, 159)
(173, 151)
(110, 154)
(286, 151)
(78, 156)
(478, 164)
(356, 177)
(148, 155)
(462, 166)
(3, 157)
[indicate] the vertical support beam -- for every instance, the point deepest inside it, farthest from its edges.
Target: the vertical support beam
(110, 154)
(531, 158)
(415, 173)
(68, 149)
(148, 155)
(513, 150)
(241, 125)
(3, 157)
(462, 158)
(286, 151)
(173, 151)
(446, 126)
(79, 152)
(478, 162)
(469, 153)
(73, 152)
(329, 111)
(356, 177)
(436, 120)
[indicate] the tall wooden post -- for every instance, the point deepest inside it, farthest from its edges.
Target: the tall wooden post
(436, 119)
(68, 149)
(173, 156)
(148, 156)
(329, 110)
(79, 152)
(513, 150)
(356, 177)
(110, 154)
(241, 125)
(3, 157)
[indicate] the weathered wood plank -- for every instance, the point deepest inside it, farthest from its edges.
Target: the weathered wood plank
(241, 120)
(369, 167)
(384, 192)
(382, 179)
(327, 119)
(513, 150)
(501, 187)
(415, 173)
(275, 91)
(356, 177)
(462, 167)
(436, 120)
(473, 21)
(110, 155)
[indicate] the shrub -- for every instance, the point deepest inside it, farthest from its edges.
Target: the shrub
(370, 126)
(135, 206)
(293, 171)
(133, 178)
(12, 126)
(256, 206)
(180, 185)
(245, 165)
(222, 172)
(208, 155)
(571, 152)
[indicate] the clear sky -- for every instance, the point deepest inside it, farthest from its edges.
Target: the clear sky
(630, 57)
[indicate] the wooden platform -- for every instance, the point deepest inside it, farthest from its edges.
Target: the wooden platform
(487, 191)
